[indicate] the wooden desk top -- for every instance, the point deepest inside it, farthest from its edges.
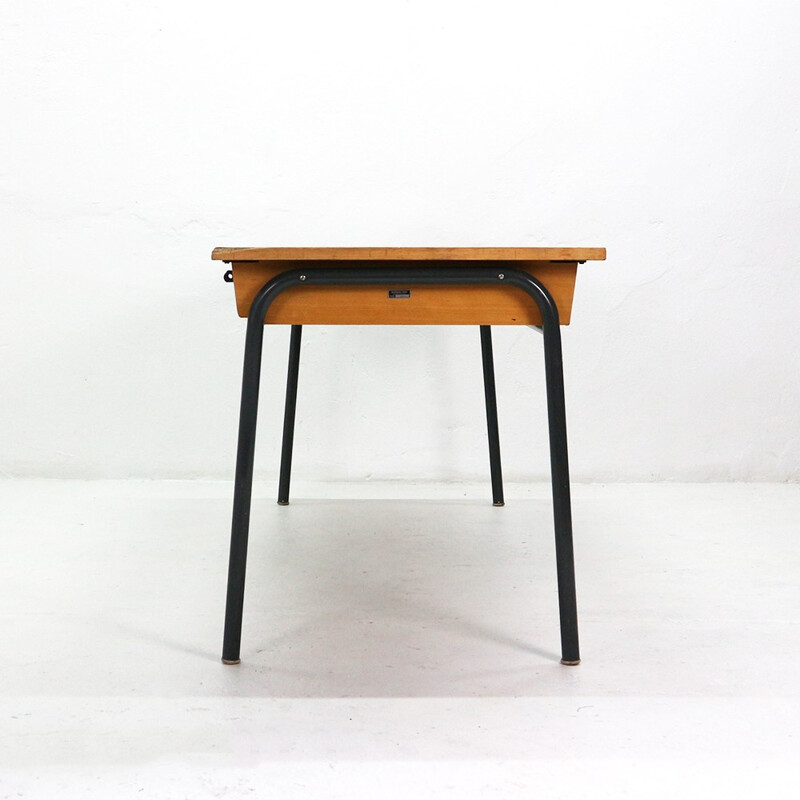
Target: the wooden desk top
(409, 254)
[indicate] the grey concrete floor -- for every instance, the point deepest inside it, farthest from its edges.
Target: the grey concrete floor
(400, 641)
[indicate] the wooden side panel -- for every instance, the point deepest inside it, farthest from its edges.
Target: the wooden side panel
(426, 305)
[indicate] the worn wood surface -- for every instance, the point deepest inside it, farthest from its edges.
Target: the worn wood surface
(409, 254)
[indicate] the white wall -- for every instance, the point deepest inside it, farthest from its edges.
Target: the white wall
(137, 136)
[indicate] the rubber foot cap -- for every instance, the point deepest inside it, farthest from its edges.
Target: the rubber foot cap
(498, 505)
(283, 502)
(230, 661)
(570, 663)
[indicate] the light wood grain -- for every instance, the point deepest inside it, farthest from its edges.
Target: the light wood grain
(409, 254)
(428, 305)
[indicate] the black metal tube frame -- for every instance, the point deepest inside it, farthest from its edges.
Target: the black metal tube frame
(290, 411)
(440, 276)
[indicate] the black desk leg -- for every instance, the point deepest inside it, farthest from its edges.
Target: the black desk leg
(243, 487)
(491, 415)
(289, 415)
(559, 469)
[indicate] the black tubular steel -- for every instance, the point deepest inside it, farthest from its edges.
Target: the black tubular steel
(443, 276)
(491, 415)
(289, 415)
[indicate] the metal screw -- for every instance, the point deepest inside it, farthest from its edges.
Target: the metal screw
(501, 276)
(302, 277)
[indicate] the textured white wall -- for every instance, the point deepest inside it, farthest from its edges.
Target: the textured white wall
(136, 136)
